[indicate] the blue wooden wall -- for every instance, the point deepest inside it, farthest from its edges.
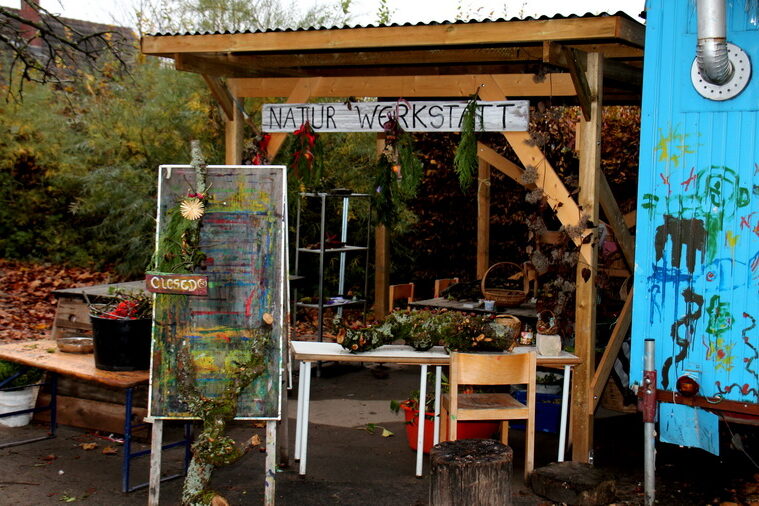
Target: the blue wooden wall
(697, 246)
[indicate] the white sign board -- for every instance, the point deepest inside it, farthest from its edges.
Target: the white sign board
(504, 116)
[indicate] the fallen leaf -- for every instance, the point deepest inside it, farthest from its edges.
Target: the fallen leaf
(110, 450)
(259, 425)
(49, 457)
(218, 500)
(88, 446)
(255, 440)
(386, 433)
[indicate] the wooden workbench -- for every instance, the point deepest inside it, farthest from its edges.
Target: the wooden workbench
(45, 355)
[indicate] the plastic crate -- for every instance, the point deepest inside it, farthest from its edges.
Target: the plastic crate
(547, 411)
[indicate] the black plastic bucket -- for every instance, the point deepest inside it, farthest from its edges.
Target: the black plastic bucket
(121, 345)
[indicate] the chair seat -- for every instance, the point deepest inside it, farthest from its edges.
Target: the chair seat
(487, 406)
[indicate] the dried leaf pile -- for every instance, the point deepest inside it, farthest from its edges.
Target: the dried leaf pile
(27, 304)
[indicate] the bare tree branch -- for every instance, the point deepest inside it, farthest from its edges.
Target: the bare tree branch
(51, 49)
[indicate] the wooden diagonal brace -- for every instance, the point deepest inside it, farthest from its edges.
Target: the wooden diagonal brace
(222, 95)
(301, 92)
(603, 370)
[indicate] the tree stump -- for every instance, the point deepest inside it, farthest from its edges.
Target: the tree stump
(470, 471)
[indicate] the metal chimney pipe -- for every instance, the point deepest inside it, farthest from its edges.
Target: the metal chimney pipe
(711, 50)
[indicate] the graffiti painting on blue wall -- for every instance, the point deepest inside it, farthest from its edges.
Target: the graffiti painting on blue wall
(703, 219)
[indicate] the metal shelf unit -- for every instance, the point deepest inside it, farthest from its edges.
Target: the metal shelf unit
(322, 251)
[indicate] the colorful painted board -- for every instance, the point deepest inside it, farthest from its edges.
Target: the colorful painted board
(697, 236)
(243, 236)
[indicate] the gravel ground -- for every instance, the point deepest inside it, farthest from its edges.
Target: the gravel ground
(348, 464)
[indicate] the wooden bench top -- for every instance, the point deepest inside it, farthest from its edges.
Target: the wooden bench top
(102, 290)
(46, 355)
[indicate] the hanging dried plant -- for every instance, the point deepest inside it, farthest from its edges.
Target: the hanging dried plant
(308, 159)
(398, 171)
(465, 159)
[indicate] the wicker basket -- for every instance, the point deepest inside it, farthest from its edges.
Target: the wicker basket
(511, 321)
(547, 323)
(505, 296)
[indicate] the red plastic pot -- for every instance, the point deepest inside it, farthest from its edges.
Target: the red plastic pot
(466, 430)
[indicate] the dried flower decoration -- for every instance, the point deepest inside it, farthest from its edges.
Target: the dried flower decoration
(192, 208)
(540, 262)
(529, 175)
(534, 196)
(576, 231)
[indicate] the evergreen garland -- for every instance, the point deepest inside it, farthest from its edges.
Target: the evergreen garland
(178, 250)
(383, 198)
(465, 159)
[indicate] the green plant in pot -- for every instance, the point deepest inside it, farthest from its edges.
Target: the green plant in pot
(17, 391)
(121, 330)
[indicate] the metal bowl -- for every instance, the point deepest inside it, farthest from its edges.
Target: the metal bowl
(75, 344)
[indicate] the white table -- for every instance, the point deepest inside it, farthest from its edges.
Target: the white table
(307, 352)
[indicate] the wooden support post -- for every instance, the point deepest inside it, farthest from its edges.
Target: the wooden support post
(587, 266)
(233, 138)
(381, 258)
(381, 271)
(483, 218)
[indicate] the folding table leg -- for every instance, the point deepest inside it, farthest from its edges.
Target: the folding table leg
(438, 381)
(564, 408)
(306, 371)
(420, 421)
(127, 460)
(299, 414)
(53, 403)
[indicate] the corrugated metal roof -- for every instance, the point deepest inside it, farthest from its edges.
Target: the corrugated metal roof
(383, 25)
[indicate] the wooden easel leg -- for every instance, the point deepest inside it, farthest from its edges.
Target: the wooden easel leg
(155, 463)
(271, 462)
(283, 432)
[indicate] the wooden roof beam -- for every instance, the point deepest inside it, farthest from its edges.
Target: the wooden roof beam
(505, 32)
(515, 85)
(556, 54)
(382, 58)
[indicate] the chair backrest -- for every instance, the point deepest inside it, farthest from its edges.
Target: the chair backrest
(403, 292)
(442, 284)
(530, 277)
(492, 369)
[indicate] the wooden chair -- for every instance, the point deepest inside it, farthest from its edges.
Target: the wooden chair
(491, 369)
(442, 284)
(403, 292)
